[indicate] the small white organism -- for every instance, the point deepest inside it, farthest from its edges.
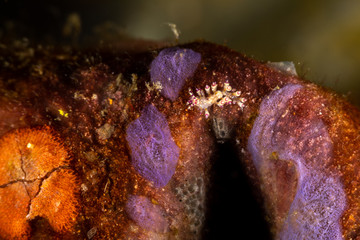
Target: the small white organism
(212, 96)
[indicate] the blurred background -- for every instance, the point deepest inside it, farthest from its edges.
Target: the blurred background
(321, 37)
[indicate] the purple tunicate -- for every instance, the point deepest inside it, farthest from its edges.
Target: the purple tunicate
(304, 140)
(147, 215)
(154, 153)
(172, 67)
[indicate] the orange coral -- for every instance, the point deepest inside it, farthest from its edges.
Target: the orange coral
(34, 175)
(14, 203)
(57, 200)
(10, 160)
(40, 151)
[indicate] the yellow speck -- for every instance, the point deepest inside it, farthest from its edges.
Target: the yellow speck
(275, 155)
(154, 201)
(63, 113)
(110, 101)
(351, 218)
(30, 145)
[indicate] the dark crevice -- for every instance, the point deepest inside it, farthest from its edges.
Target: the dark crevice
(17, 181)
(24, 181)
(22, 168)
(47, 175)
(33, 180)
(232, 211)
(22, 163)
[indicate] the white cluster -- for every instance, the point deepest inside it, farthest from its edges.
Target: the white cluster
(212, 96)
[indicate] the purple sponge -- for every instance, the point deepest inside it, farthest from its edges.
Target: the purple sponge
(147, 215)
(262, 133)
(172, 67)
(304, 140)
(154, 153)
(316, 209)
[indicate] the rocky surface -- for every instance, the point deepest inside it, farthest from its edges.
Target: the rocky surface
(288, 134)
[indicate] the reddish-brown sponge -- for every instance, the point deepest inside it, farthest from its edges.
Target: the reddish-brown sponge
(127, 140)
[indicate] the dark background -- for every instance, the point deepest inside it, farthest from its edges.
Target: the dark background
(321, 37)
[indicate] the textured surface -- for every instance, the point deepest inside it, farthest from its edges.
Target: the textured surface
(57, 200)
(154, 153)
(305, 147)
(192, 194)
(281, 134)
(30, 154)
(14, 202)
(172, 67)
(316, 210)
(146, 214)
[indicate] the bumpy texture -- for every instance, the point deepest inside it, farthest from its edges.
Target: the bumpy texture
(154, 153)
(172, 67)
(303, 140)
(146, 214)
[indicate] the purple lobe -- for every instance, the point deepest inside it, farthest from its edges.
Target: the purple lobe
(154, 153)
(146, 214)
(172, 67)
(320, 199)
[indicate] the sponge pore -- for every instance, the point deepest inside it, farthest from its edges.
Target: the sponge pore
(154, 153)
(172, 67)
(147, 215)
